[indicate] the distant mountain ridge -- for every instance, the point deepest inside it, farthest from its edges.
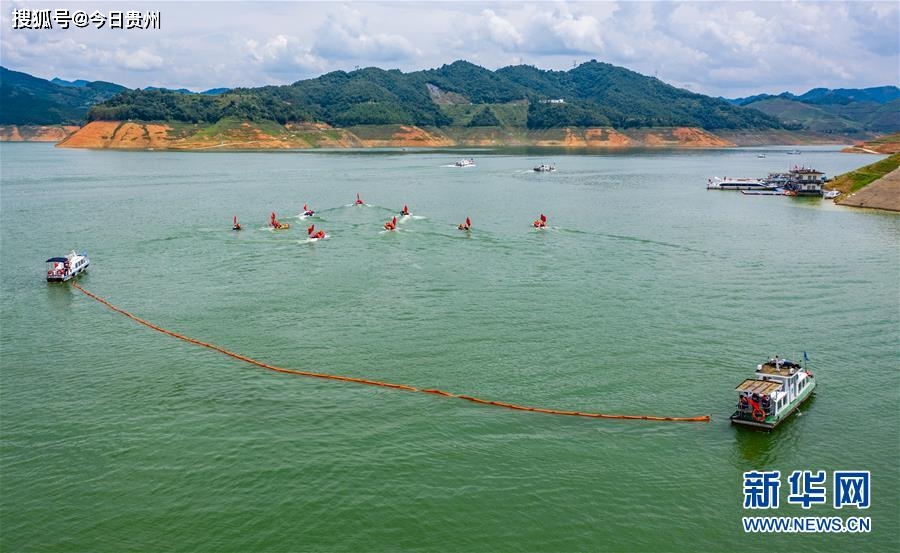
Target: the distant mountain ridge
(28, 100)
(211, 91)
(843, 110)
(460, 94)
(878, 94)
(594, 94)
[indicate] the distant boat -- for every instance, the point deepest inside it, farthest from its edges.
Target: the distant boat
(761, 156)
(544, 168)
(794, 152)
(831, 194)
(61, 269)
(467, 162)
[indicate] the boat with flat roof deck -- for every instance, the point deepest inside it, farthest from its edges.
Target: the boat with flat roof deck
(727, 183)
(780, 387)
(61, 269)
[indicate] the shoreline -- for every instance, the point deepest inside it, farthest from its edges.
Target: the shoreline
(244, 135)
(874, 186)
(882, 194)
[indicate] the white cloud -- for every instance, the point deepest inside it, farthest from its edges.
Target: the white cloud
(500, 31)
(346, 35)
(727, 48)
(284, 58)
(139, 60)
(563, 31)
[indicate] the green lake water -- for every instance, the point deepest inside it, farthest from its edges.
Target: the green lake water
(649, 295)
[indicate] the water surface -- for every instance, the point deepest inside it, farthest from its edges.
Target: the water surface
(648, 295)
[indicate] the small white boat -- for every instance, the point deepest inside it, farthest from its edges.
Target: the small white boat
(61, 269)
(780, 387)
(466, 162)
(544, 168)
(831, 194)
(761, 156)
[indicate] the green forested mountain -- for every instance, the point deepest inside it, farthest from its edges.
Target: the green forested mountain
(592, 94)
(458, 94)
(843, 110)
(27, 100)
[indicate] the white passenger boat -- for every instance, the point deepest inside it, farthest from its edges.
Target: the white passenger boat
(727, 183)
(466, 162)
(544, 168)
(61, 269)
(780, 387)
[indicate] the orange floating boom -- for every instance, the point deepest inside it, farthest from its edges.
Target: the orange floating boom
(704, 418)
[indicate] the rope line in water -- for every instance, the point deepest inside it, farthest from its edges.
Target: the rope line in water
(246, 359)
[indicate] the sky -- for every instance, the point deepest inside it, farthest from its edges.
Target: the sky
(718, 48)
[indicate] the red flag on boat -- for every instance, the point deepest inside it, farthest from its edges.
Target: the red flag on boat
(543, 218)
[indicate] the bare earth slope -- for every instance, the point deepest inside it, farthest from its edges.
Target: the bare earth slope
(239, 135)
(35, 133)
(881, 194)
(889, 144)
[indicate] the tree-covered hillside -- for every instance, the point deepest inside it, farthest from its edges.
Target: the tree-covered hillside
(592, 94)
(842, 110)
(27, 100)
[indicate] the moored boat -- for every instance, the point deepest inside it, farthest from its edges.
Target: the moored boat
(799, 181)
(780, 387)
(726, 183)
(61, 269)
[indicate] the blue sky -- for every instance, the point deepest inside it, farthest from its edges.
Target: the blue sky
(719, 48)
